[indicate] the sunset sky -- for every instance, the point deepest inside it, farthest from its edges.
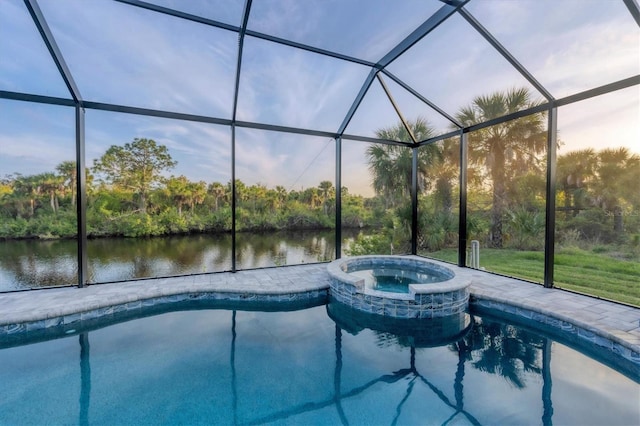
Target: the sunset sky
(125, 55)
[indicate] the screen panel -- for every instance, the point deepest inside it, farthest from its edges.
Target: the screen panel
(453, 65)
(26, 64)
(569, 46)
(157, 204)
(507, 196)
(376, 198)
(291, 87)
(342, 26)
(136, 57)
(597, 197)
(38, 222)
(285, 188)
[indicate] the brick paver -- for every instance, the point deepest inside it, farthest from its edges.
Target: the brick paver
(617, 322)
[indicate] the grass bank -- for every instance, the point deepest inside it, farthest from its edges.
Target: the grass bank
(575, 269)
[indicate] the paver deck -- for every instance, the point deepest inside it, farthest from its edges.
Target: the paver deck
(607, 320)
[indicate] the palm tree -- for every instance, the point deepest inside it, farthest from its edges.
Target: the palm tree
(506, 150)
(28, 187)
(281, 196)
(6, 187)
(271, 200)
(178, 191)
(325, 186)
(197, 193)
(217, 190)
(575, 170)
(241, 191)
(51, 184)
(312, 196)
(391, 165)
(445, 172)
(618, 172)
(67, 169)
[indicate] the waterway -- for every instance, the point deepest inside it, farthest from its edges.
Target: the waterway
(35, 263)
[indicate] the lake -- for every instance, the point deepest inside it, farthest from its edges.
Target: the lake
(36, 263)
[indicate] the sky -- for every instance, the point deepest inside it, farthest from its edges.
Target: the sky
(125, 55)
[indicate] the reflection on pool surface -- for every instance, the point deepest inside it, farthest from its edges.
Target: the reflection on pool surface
(236, 367)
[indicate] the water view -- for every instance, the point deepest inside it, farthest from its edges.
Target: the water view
(35, 263)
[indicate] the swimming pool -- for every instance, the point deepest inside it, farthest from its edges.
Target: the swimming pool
(223, 366)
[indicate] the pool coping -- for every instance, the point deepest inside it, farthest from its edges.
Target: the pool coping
(600, 322)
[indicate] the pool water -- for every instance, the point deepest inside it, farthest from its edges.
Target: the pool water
(396, 280)
(217, 366)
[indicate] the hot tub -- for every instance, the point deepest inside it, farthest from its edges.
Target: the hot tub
(398, 286)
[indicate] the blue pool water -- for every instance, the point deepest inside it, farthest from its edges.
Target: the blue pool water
(217, 366)
(396, 280)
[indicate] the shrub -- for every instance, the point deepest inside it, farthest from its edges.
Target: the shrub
(370, 244)
(526, 228)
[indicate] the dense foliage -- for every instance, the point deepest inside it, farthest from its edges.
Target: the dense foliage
(130, 192)
(597, 200)
(128, 195)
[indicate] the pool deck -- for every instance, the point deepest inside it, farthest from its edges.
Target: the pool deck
(599, 319)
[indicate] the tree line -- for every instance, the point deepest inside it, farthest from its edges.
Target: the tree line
(129, 193)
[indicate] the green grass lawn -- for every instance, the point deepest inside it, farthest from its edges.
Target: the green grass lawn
(575, 269)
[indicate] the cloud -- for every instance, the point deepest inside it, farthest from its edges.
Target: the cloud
(454, 64)
(274, 158)
(286, 86)
(141, 58)
(582, 61)
(123, 54)
(29, 154)
(26, 64)
(202, 150)
(606, 121)
(355, 169)
(229, 11)
(375, 112)
(570, 50)
(367, 31)
(276, 18)
(34, 138)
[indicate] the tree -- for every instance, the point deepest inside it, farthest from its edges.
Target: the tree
(445, 171)
(27, 187)
(618, 172)
(256, 194)
(312, 197)
(136, 166)
(391, 165)
(217, 191)
(325, 187)
(67, 170)
(178, 191)
(197, 194)
(502, 349)
(241, 191)
(6, 187)
(505, 150)
(281, 196)
(575, 171)
(51, 184)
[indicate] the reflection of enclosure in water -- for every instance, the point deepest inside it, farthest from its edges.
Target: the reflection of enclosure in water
(491, 347)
